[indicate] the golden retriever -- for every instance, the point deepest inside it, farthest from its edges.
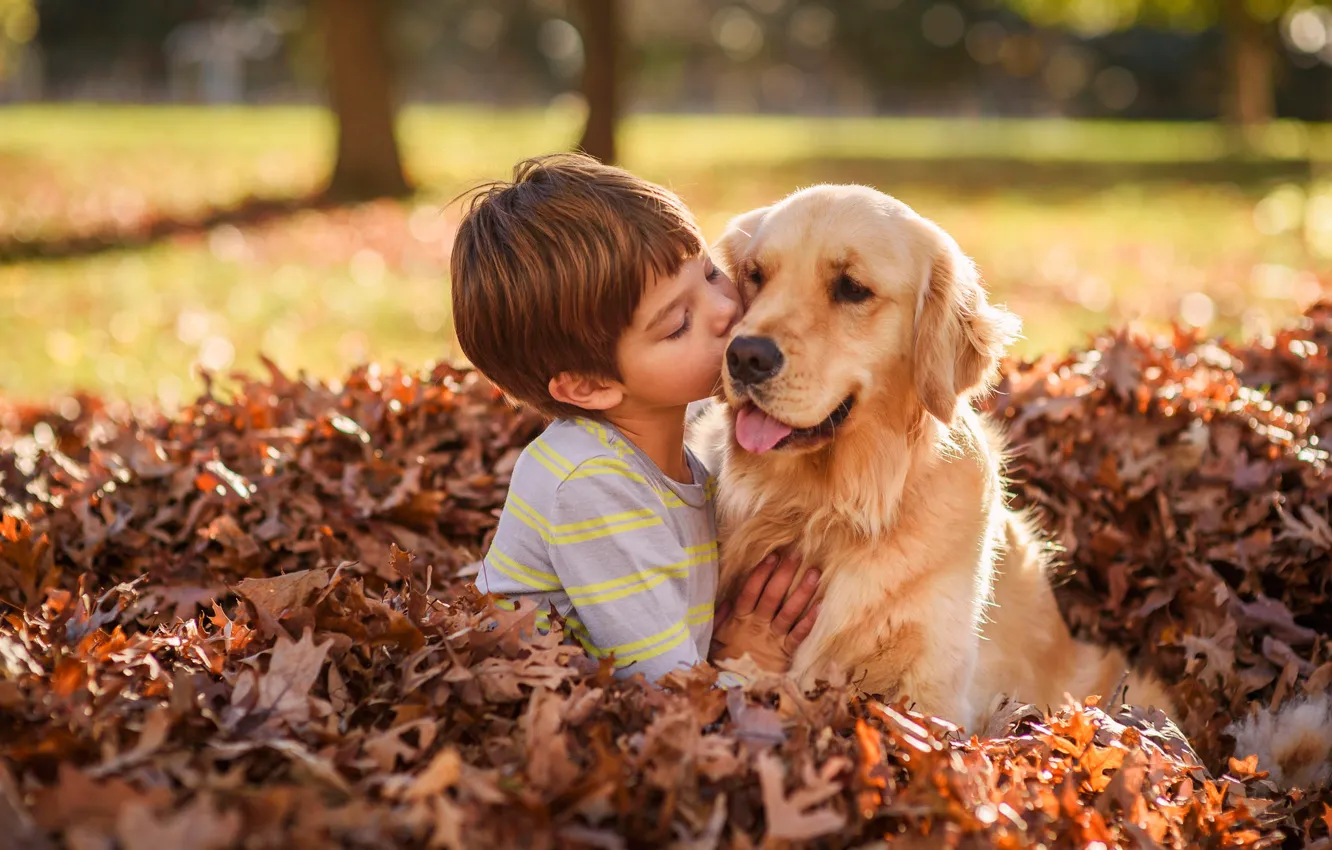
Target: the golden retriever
(849, 438)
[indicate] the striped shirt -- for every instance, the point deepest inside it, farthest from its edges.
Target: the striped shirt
(627, 555)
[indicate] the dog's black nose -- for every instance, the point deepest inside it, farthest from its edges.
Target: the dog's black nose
(753, 359)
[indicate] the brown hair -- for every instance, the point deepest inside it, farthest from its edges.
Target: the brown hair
(548, 269)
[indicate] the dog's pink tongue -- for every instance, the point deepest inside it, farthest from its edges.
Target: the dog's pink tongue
(758, 432)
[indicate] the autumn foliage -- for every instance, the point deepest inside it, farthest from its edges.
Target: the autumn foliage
(213, 635)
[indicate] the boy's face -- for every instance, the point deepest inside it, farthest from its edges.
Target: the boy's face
(672, 353)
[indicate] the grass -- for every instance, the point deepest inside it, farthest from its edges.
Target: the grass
(1075, 225)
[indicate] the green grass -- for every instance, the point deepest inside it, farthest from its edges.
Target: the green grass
(1075, 225)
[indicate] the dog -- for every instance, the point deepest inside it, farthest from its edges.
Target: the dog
(850, 439)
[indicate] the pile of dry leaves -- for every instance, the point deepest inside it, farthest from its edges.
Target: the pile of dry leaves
(212, 637)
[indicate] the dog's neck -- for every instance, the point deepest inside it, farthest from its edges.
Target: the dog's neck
(856, 484)
(869, 473)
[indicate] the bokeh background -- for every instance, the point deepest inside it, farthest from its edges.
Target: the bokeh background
(189, 184)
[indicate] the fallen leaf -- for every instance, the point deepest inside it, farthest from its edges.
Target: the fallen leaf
(284, 689)
(789, 817)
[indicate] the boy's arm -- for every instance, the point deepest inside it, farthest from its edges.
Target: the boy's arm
(624, 573)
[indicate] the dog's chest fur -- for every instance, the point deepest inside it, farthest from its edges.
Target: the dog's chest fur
(901, 534)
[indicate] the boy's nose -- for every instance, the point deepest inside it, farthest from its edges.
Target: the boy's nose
(729, 313)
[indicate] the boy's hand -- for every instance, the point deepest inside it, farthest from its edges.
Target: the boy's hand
(760, 624)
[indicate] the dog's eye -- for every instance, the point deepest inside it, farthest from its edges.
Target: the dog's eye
(756, 276)
(847, 291)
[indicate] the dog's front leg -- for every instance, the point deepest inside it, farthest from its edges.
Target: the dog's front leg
(939, 682)
(931, 660)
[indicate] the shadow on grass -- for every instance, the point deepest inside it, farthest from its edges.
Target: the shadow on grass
(961, 176)
(1046, 178)
(145, 232)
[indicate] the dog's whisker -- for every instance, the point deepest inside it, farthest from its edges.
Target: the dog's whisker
(842, 408)
(718, 386)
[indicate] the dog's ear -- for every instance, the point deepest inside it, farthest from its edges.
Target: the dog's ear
(960, 336)
(730, 249)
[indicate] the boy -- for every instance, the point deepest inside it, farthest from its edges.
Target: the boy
(588, 294)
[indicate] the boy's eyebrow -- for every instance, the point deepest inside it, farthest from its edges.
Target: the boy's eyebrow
(660, 316)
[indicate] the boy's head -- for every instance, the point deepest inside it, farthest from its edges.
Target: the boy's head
(554, 275)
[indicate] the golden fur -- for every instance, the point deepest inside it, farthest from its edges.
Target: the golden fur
(931, 586)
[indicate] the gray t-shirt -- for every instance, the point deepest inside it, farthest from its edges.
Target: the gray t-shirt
(626, 554)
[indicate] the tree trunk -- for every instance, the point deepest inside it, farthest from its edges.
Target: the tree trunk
(360, 90)
(1250, 61)
(601, 37)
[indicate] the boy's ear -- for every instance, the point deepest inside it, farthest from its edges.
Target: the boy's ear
(586, 392)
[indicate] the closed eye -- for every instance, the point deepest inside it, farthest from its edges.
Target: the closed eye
(756, 276)
(846, 290)
(683, 329)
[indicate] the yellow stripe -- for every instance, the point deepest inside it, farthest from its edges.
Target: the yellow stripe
(561, 466)
(669, 498)
(544, 461)
(634, 578)
(589, 471)
(542, 615)
(632, 590)
(581, 532)
(540, 575)
(603, 436)
(615, 463)
(531, 518)
(516, 504)
(648, 654)
(623, 581)
(580, 633)
(594, 534)
(541, 447)
(729, 679)
(588, 646)
(624, 649)
(630, 584)
(626, 653)
(525, 582)
(521, 573)
(609, 531)
(609, 519)
(700, 614)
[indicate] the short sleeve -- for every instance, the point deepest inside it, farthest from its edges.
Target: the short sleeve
(624, 572)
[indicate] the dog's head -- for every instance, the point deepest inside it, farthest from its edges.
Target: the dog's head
(855, 303)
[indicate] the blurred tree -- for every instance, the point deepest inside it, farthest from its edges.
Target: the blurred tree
(1249, 28)
(360, 89)
(599, 24)
(1250, 60)
(18, 24)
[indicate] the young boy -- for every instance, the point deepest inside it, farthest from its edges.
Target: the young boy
(587, 294)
